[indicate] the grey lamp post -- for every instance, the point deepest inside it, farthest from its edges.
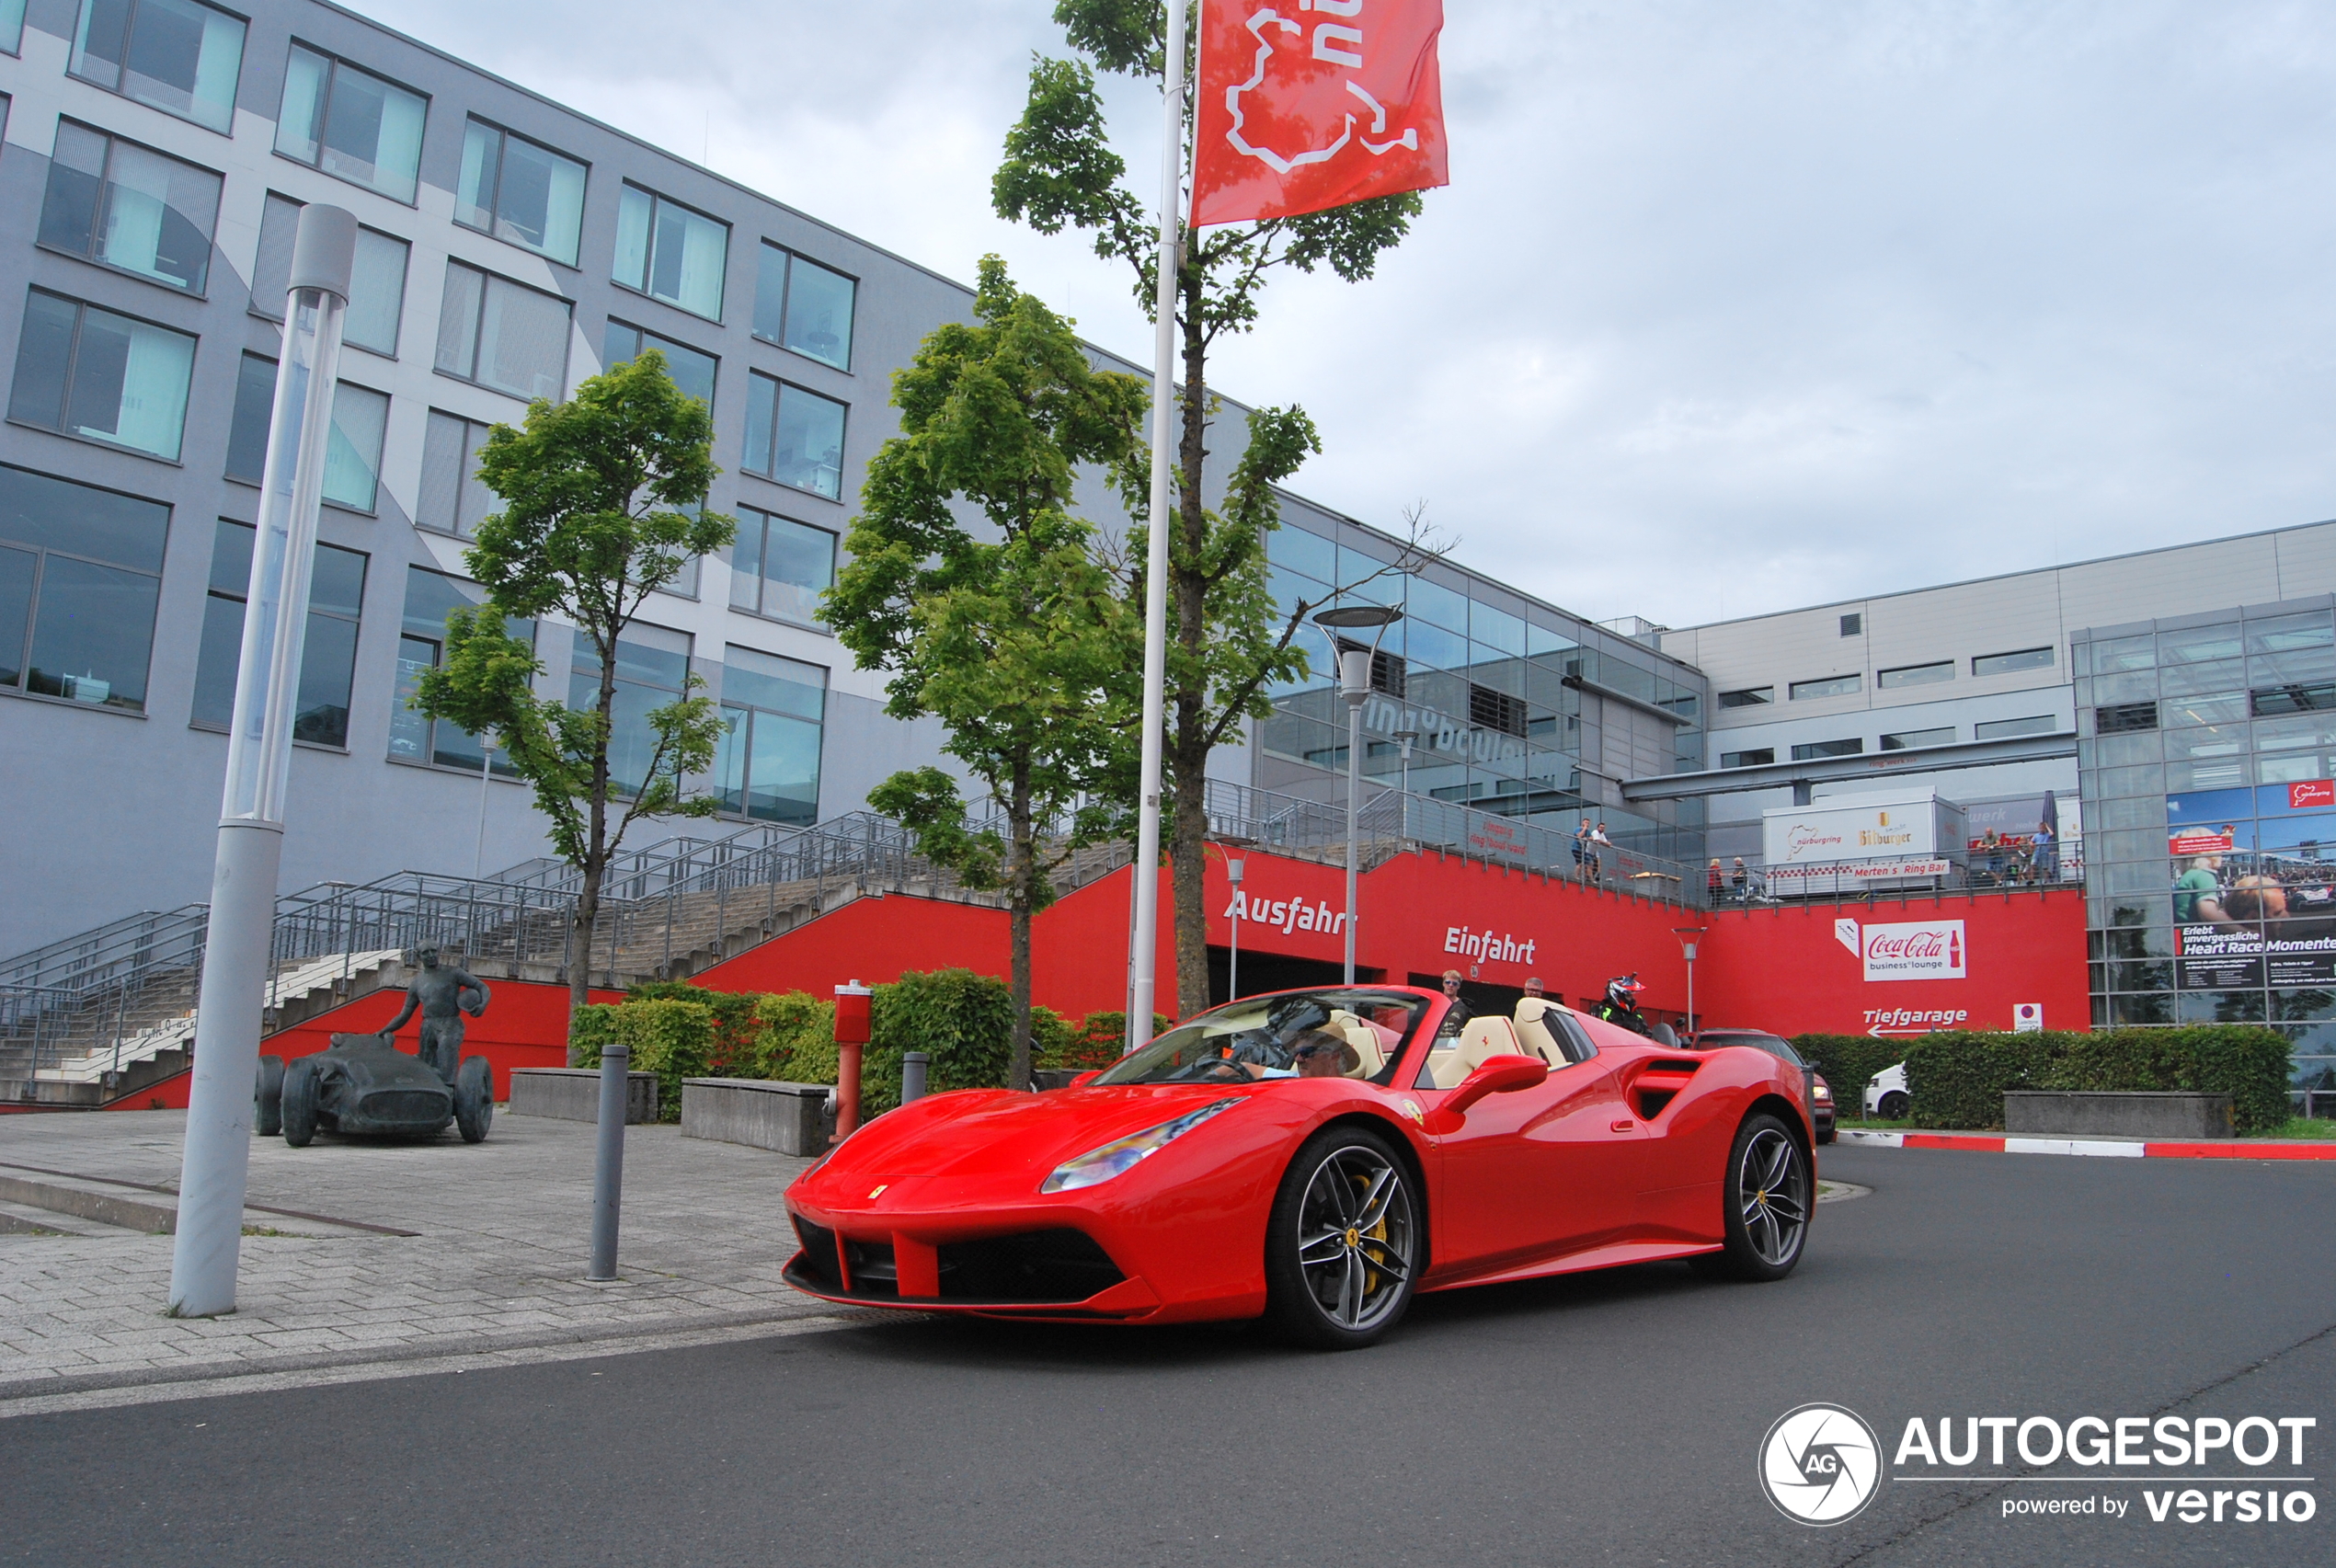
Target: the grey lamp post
(1689, 936)
(238, 948)
(1234, 868)
(1353, 686)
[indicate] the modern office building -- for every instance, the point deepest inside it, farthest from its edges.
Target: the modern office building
(157, 153)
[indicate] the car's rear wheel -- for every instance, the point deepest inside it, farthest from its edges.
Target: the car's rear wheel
(1892, 1107)
(267, 1098)
(1344, 1244)
(1769, 1193)
(474, 1098)
(298, 1102)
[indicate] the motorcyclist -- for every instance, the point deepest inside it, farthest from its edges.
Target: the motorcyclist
(1620, 1004)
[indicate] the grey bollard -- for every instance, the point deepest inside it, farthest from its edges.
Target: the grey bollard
(912, 1070)
(608, 1171)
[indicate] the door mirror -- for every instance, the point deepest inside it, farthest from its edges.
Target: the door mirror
(1499, 1075)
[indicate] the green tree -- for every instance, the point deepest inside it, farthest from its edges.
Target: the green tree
(603, 502)
(1228, 644)
(1016, 637)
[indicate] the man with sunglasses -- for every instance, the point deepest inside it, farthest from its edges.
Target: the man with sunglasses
(1317, 1053)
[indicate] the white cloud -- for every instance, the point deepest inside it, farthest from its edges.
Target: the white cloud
(1728, 308)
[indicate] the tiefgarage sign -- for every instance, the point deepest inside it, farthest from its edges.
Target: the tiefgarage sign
(1913, 950)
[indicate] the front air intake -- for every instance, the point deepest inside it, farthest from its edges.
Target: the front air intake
(1058, 1266)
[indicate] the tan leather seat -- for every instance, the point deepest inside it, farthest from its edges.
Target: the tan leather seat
(1537, 1033)
(1482, 1037)
(1364, 1038)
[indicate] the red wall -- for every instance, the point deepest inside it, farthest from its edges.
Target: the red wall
(1786, 969)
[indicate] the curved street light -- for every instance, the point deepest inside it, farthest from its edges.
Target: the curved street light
(1353, 685)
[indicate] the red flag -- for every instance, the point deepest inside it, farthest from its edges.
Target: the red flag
(1307, 104)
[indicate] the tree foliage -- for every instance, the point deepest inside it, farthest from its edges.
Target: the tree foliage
(602, 505)
(1012, 633)
(1228, 642)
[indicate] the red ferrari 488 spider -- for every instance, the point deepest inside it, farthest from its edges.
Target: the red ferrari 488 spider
(1317, 1156)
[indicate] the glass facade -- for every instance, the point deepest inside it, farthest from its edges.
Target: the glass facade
(2207, 761)
(1514, 707)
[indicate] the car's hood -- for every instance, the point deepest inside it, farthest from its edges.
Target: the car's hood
(995, 1132)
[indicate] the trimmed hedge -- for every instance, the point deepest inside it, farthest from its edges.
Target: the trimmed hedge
(1847, 1061)
(1098, 1041)
(671, 1038)
(1958, 1079)
(964, 1021)
(731, 1053)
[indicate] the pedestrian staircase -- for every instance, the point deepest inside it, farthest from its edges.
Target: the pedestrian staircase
(99, 1016)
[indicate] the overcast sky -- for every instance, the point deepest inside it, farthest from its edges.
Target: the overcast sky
(1729, 308)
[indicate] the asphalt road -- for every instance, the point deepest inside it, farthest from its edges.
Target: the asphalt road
(1607, 1418)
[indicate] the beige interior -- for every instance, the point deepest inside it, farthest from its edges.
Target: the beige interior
(1483, 1037)
(1536, 1035)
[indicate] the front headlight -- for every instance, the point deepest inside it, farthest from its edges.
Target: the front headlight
(1099, 1165)
(1824, 1093)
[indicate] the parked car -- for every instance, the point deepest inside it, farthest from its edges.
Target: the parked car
(1885, 1093)
(1316, 1157)
(1817, 1092)
(363, 1083)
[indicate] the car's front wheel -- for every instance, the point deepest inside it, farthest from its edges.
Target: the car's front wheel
(1892, 1107)
(474, 1098)
(267, 1098)
(298, 1102)
(1769, 1195)
(1343, 1246)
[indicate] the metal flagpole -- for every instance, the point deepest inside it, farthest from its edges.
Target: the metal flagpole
(239, 950)
(1144, 940)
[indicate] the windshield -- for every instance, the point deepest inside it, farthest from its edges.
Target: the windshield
(1315, 1034)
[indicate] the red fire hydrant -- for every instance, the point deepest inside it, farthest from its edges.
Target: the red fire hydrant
(851, 1037)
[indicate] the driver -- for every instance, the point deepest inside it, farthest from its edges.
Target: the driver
(1317, 1053)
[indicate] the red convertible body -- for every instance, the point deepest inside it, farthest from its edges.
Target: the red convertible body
(1318, 1155)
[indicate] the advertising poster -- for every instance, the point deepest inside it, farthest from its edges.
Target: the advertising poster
(2253, 885)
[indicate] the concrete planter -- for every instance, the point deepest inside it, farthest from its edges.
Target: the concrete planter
(573, 1094)
(762, 1113)
(2118, 1113)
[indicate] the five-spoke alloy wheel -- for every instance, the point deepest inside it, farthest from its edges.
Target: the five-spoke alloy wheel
(1343, 1247)
(1769, 1192)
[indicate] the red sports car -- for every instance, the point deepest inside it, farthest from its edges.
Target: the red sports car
(1317, 1156)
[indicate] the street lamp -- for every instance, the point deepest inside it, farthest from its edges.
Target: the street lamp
(1353, 685)
(1688, 935)
(239, 946)
(1234, 868)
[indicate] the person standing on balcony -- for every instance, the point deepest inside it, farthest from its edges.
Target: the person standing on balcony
(1740, 881)
(1582, 849)
(2047, 853)
(1714, 881)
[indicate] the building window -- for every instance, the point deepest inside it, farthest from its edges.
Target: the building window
(780, 566)
(2275, 701)
(12, 27)
(692, 371)
(376, 279)
(353, 458)
(80, 573)
(1495, 710)
(351, 123)
(1758, 758)
(1915, 675)
(2123, 716)
(86, 371)
(1831, 686)
(453, 499)
(127, 206)
(328, 651)
(179, 57)
(802, 305)
(1816, 750)
(2005, 729)
(2006, 663)
(794, 436)
(768, 766)
(521, 191)
(502, 335)
(652, 670)
(414, 736)
(1852, 626)
(1750, 697)
(668, 252)
(1907, 739)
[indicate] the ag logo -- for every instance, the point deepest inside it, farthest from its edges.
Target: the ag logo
(1820, 1464)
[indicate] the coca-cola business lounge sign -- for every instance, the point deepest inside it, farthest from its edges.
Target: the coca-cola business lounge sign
(1914, 950)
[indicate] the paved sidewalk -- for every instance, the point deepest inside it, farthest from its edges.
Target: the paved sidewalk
(497, 1263)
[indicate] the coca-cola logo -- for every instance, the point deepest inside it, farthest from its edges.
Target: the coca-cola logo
(1921, 944)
